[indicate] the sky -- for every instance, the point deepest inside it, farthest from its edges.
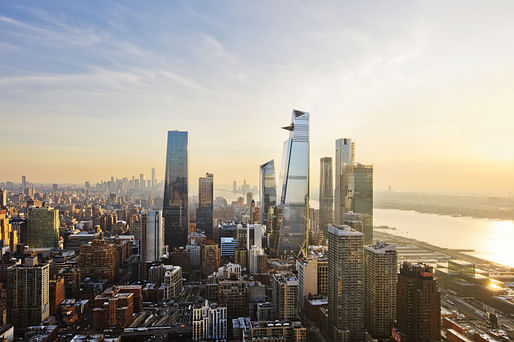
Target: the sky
(425, 88)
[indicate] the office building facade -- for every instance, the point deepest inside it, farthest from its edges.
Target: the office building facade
(285, 296)
(43, 227)
(152, 235)
(204, 220)
(175, 205)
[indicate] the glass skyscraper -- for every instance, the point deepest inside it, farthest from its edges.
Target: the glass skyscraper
(268, 190)
(326, 195)
(345, 156)
(204, 218)
(175, 205)
(362, 201)
(294, 177)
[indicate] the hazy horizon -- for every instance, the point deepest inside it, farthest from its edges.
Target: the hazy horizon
(89, 90)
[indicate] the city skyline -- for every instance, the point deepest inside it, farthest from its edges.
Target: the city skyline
(440, 88)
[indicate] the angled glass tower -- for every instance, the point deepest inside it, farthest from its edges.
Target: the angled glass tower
(345, 156)
(294, 177)
(268, 190)
(175, 205)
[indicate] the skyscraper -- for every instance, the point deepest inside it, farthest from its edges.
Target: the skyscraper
(362, 201)
(142, 181)
(295, 183)
(152, 235)
(380, 279)
(345, 156)
(285, 296)
(153, 178)
(267, 190)
(204, 220)
(23, 182)
(345, 283)
(175, 206)
(418, 303)
(326, 195)
(3, 198)
(43, 227)
(28, 297)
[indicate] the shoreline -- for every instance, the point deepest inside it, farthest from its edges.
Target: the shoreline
(451, 214)
(448, 251)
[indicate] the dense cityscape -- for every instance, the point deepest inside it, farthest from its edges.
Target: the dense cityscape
(139, 259)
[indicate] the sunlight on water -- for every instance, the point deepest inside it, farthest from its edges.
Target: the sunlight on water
(491, 239)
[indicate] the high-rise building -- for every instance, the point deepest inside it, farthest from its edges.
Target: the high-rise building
(23, 182)
(345, 156)
(418, 303)
(28, 294)
(3, 198)
(43, 227)
(312, 277)
(345, 283)
(285, 296)
(267, 190)
(142, 181)
(152, 233)
(172, 281)
(98, 260)
(204, 220)
(326, 195)
(380, 280)
(175, 205)
(362, 201)
(233, 293)
(294, 177)
(8, 236)
(210, 257)
(153, 178)
(255, 251)
(209, 322)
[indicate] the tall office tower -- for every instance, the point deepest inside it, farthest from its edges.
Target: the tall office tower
(28, 297)
(204, 220)
(345, 283)
(152, 233)
(418, 303)
(363, 198)
(43, 227)
(142, 181)
(326, 195)
(23, 182)
(267, 190)
(209, 322)
(175, 205)
(380, 281)
(255, 252)
(3, 198)
(345, 156)
(153, 178)
(294, 176)
(285, 296)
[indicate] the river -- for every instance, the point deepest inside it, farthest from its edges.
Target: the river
(491, 239)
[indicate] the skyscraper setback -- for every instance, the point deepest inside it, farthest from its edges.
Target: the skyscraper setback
(295, 183)
(175, 206)
(204, 219)
(326, 195)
